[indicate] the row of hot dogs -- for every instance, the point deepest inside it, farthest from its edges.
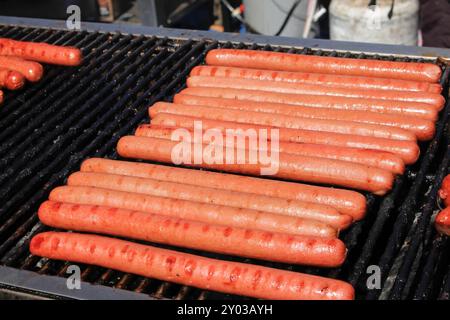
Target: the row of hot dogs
(343, 122)
(366, 135)
(20, 61)
(209, 211)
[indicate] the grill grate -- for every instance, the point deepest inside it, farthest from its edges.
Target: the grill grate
(48, 128)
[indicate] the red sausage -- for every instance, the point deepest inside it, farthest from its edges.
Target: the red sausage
(444, 192)
(187, 269)
(442, 222)
(407, 150)
(307, 213)
(319, 64)
(422, 110)
(283, 121)
(31, 70)
(345, 201)
(313, 218)
(10, 79)
(424, 129)
(249, 243)
(373, 158)
(331, 80)
(41, 52)
(434, 99)
(287, 166)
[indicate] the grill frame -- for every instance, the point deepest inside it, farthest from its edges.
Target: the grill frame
(428, 53)
(38, 284)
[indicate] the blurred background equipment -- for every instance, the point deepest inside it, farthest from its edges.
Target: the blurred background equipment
(52, 9)
(382, 21)
(284, 18)
(435, 23)
(109, 10)
(192, 14)
(399, 22)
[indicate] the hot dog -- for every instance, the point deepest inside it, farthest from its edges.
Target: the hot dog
(203, 212)
(41, 52)
(318, 64)
(442, 222)
(282, 121)
(345, 201)
(188, 192)
(444, 192)
(31, 70)
(187, 269)
(287, 166)
(10, 79)
(249, 243)
(421, 110)
(332, 80)
(407, 150)
(373, 158)
(433, 99)
(423, 129)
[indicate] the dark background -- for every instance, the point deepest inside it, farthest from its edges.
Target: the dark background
(198, 14)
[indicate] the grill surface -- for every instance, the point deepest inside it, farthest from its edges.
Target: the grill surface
(49, 128)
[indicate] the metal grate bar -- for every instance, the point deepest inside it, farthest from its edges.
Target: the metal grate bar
(95, 143)
(405, 217)
(32, 105)
(430, 273)
(71, 99)
(71, 134)
(417, 237)
(445, 293)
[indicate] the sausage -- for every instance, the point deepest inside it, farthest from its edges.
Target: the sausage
(249, 243)
(11, 80)
(187, 269)
(332, 80)
(345, 201)
(203, 212)
(407, 150)
(1, 97)
(421, 110)
(31, 70)
(174, 190)
(287, 166)
(444, 192)
(434, 99)
(41, 52)
(442, 222)
(280, 61)
(423, 129)
(373, 158)
(282, 121)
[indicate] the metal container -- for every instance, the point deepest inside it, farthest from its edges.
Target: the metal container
(267, 16)
(390, 22)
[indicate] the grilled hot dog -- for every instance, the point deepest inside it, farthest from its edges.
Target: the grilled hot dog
(250, 243)
(424, 129)
(10, 79)
(345, 201)
(332, 80)
(287, 166)
(318, 64)
(41, 52)
(187, 269)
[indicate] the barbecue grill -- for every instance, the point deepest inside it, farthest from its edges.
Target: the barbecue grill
(49, 128)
